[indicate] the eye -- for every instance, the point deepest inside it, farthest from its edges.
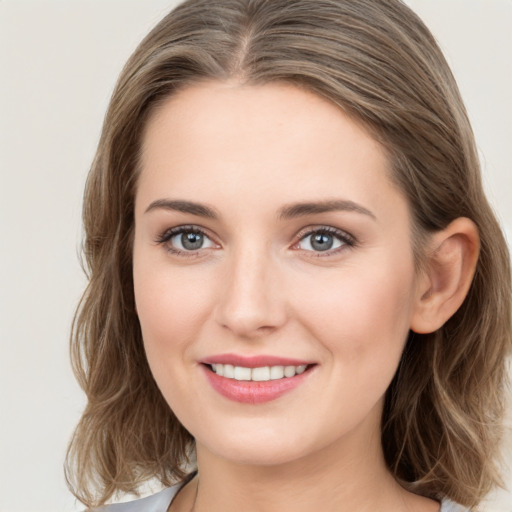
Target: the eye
(185, 239)
(325, 239)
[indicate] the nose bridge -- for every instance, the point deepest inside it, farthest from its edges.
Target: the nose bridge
(250, 304)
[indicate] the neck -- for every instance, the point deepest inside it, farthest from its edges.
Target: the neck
(341, 477)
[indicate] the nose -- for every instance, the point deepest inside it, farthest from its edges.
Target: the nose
(251, 300)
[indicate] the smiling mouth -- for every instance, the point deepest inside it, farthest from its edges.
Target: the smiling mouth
(259, 374)
(254, 383)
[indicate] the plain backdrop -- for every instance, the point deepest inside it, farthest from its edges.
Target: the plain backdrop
(58, 64)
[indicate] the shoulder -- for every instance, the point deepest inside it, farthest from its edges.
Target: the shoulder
(158, 502)
(450, 506)
(161, 501)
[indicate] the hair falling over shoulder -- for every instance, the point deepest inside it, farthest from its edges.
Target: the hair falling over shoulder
(377, 61)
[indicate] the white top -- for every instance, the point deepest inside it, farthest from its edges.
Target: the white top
(161, 501)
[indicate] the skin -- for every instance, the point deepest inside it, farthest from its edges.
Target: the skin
(258, 286)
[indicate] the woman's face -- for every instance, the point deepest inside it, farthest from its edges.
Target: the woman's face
(269, 235)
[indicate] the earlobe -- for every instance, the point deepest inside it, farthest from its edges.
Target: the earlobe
(450, 267)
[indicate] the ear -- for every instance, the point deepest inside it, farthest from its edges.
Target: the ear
(450, 266)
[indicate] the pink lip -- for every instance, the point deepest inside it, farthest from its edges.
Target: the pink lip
(252, 392)
(254, 361)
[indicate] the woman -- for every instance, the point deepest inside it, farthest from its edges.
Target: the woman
(299, 296)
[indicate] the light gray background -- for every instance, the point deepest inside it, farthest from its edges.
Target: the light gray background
(58, 64)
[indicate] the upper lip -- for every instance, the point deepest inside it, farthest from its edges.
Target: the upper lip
(254, 361)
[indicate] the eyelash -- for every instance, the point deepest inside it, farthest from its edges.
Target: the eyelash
(346, 239)
(166, 236)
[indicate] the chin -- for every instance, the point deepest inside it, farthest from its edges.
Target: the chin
(259, 447)
(258, 455)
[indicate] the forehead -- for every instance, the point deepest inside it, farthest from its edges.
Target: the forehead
(210, 110)
(254, 142)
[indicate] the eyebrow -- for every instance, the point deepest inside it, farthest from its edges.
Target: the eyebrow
(290, 211)
(310, 208)
(183, 206)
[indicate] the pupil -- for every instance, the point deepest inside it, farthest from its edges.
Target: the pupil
(322, 242)
(192, 241)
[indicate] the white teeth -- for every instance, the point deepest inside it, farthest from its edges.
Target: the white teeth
(289, 371)
(260, 374)
(242, 373)
(276, 372)
(218, 369)
(229, 371)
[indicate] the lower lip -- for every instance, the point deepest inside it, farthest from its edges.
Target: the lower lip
(253, 392)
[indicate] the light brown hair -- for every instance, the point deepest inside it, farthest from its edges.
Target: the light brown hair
(378, 62)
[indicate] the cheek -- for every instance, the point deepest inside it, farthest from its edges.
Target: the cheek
(362, 314)
(171, 306)
(171, 312)
(361, 319)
